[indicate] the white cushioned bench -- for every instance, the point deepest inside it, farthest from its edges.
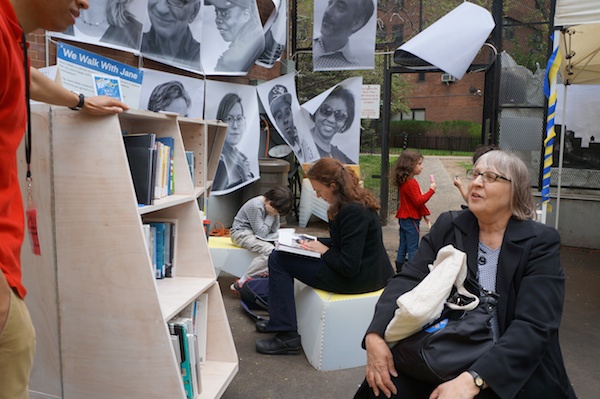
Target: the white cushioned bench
(332, 326)
(228, 257)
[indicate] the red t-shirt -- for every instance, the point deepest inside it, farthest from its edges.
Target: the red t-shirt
(13, 119)
(412, 201)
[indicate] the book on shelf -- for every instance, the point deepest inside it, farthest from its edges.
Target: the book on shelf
(291, 242)
(200, 324)
(170, 143)
(179, 328)
(189, 156)
(141, 155)
(163, 253)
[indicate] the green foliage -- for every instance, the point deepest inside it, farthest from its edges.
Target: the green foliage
(428, 128)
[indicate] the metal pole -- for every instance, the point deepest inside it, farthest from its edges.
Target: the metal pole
(385, 144)
(561, 150)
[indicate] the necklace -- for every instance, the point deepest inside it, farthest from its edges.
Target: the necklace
(105, 20)
(84, 14)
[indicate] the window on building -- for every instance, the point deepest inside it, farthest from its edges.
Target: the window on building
(421, 77)
(508, 28)
(417, 114)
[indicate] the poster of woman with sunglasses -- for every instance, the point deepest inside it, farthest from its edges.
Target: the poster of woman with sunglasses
(335, 115)
(238, 107)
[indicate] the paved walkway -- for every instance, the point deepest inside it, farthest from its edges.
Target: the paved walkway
(292, 377)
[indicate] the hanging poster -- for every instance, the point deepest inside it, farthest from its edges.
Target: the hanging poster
(168, 92)
(344, 35)
(236, 105)
(334, 120)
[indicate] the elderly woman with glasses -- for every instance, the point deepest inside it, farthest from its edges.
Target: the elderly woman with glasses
(170, 38)
(335, 115)
(234, 168)
(507, 253)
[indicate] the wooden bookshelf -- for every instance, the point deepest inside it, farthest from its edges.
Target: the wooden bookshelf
(100, 316)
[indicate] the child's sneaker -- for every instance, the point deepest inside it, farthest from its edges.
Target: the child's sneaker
(235, 287)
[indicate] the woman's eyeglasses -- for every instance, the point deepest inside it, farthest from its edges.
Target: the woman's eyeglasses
(238, 119)
(487, 177)
(178, 3)
(340, 115)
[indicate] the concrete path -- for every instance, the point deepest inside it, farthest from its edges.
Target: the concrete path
(292, 377)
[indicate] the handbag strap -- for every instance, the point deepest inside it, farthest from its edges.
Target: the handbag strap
(457, 232)
(462, 290)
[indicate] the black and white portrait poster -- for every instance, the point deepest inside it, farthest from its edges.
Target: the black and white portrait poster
(275, 35)
(109, 23)
(171, 93)
(280, 101)
(172, 33)
(344, 34)
(233, 37)
(334, 118)
(237, 105)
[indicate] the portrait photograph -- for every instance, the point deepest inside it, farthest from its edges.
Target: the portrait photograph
(279, 99)
(344, 35)
(236, 105)
(334, 121)
(109, 23)
(275, 35)
(233, 37)
(172, 93)
(172, 33)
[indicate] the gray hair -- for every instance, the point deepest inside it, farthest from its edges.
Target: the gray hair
(512, 167)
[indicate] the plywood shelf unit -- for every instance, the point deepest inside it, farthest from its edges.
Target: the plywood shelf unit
(99, 314)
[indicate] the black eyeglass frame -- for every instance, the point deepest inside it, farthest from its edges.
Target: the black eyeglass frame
(487, 177)
(340, 115)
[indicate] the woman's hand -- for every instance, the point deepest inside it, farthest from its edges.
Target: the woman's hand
(314, 245)
(461, 387)
(380, 365)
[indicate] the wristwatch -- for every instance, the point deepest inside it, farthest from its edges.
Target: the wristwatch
(477, 379)
(80, 103)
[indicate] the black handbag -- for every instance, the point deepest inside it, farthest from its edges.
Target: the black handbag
(450, 345)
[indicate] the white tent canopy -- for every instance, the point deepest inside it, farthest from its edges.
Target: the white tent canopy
(579, 21)
(579, 24)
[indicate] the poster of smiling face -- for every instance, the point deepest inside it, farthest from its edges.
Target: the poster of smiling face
(279, 100)
(334, 116)
(108, 23)
(172, 33)
(236, 105)
(233, 37)
(171, 93)
(344, 35)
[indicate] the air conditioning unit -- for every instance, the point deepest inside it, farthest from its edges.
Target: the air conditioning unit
(447, 78)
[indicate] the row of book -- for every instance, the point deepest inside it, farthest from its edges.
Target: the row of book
(188, 336)
(160, 239)
(151, 164)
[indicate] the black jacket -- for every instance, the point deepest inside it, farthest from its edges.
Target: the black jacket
(356, 261)
(526, 361)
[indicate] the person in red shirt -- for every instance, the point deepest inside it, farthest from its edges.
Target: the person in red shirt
(412, 203)
(17, 18)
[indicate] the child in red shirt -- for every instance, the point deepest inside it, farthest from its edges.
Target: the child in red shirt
(412, 203)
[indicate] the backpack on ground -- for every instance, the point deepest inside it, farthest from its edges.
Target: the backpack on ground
(254, 295)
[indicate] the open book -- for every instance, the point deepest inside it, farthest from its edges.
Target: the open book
(290, 241)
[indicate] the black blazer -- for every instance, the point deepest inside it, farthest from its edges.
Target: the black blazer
(356, 261)
(526, 361)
